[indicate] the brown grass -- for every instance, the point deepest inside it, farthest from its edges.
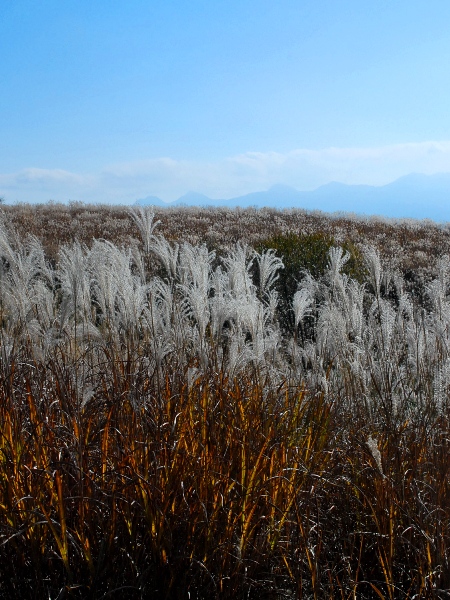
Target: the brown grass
(412, 245)
(224, 490)
(165, 484)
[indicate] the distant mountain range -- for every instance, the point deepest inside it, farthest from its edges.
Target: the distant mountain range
(412, 196)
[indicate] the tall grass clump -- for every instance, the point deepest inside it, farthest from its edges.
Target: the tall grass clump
(164, 434)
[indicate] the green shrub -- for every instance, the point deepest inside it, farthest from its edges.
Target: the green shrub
(301, 253)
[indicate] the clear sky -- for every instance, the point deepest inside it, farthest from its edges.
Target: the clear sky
(107, 100)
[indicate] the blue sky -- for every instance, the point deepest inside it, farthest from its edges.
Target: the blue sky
(112, 101)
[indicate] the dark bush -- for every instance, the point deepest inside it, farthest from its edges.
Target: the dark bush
(306, 253)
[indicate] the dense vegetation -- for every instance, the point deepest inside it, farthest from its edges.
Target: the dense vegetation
(223, 420)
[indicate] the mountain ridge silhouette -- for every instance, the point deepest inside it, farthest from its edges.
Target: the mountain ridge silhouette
(416, 196)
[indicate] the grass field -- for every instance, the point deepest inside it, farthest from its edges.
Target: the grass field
(225, 405)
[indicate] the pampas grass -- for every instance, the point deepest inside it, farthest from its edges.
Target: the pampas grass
(162, 436)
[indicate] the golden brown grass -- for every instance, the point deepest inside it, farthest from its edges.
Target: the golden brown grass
(223, 489)
(120, 480)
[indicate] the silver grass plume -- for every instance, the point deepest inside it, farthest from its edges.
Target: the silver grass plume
(144, 220)
(301, 304)
(167, 253)
(238, 265)
(337, 259)
(75, 281)
(268, 266)
(373, 264)
(373, 447)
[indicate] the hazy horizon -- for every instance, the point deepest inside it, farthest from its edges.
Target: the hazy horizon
(109, 102)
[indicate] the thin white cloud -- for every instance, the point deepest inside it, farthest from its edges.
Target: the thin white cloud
(169, 178)
(33, 176)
